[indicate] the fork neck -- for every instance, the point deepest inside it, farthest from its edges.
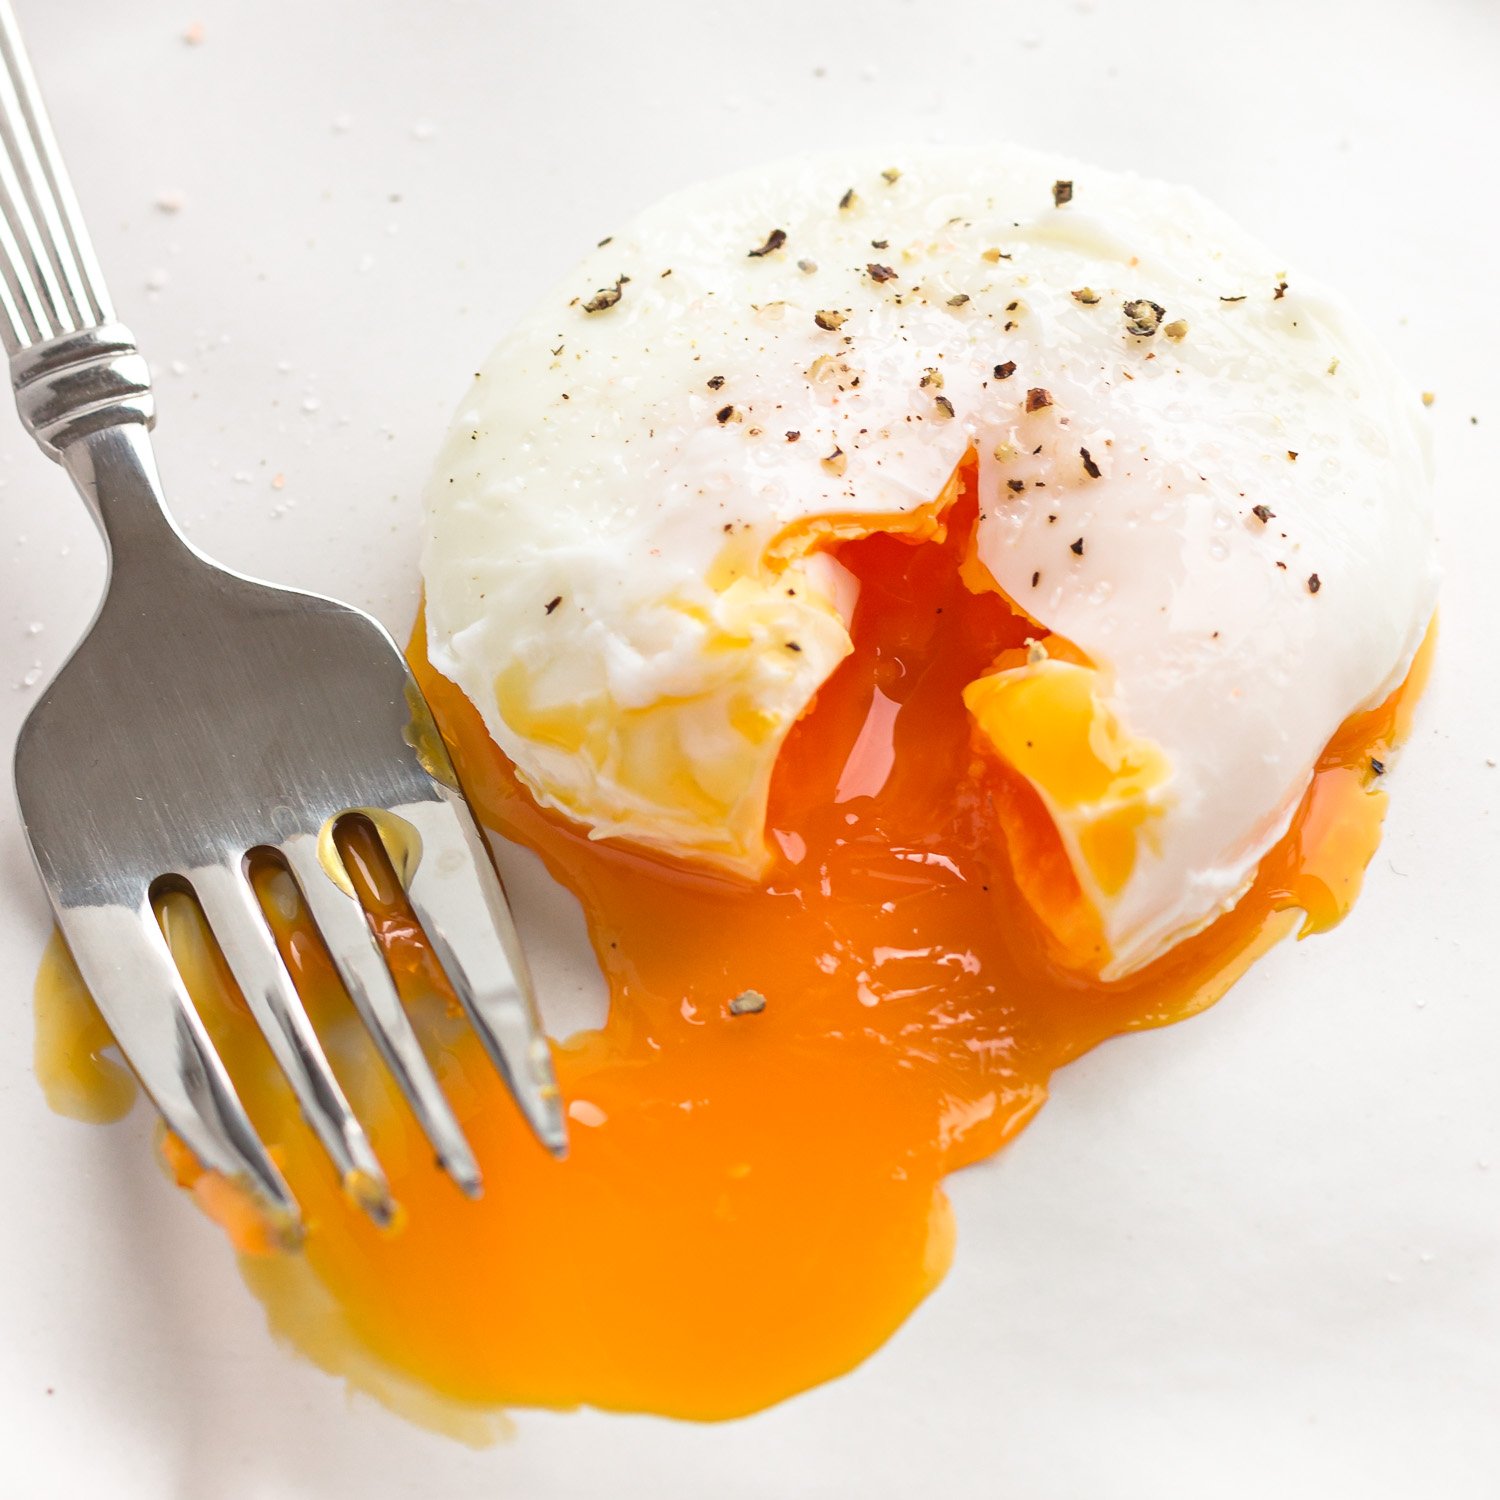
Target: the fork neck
(114, 469)
(86, 399)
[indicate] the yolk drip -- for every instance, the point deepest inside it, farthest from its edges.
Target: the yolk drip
(753, 1202)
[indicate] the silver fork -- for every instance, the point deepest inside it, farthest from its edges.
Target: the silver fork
(205, 716)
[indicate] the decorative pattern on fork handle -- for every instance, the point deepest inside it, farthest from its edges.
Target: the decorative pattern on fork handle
(78, 383)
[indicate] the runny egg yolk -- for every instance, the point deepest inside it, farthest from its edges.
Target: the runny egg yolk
(753, 1198)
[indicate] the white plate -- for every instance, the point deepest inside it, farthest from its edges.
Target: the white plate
(1254, 1254)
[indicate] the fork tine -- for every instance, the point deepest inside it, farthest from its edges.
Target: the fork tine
(129, 969)
(362, 967)
(458, 898)
(239, 927)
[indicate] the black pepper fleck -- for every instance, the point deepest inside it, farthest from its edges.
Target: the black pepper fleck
(1143, 317)
(606, 296)
(1089, 466)
(1005, 371)
(774, 241)
(1076, 548)
(1062, 192)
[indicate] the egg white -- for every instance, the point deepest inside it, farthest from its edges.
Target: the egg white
(621, 560)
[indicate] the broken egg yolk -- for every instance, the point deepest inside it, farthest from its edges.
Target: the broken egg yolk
(752, 1201)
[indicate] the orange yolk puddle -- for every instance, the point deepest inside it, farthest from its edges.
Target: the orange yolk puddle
(752, 1202)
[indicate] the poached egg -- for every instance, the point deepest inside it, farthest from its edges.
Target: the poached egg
(1196, 474)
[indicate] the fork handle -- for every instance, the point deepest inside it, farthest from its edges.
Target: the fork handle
(51, 282)
(82, 388)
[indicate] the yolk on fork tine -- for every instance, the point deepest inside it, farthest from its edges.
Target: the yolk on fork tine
(753, 1201)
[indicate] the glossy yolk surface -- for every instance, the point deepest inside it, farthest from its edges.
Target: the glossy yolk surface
(752, 1202)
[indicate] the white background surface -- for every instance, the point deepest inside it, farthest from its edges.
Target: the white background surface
(1257, 1254)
